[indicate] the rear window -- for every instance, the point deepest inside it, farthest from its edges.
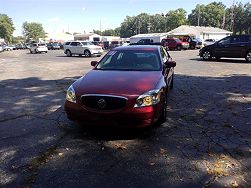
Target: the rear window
(41, 45)
(67, 43)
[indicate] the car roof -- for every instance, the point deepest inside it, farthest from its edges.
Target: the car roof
(138, 47)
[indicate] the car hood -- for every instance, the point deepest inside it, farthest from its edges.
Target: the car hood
(123, 83)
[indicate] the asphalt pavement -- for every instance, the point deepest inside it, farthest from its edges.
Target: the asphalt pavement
(205, 142)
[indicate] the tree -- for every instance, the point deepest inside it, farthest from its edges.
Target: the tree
(238, 18)
(97, 32)
(18, 39)
(176, 18)
(211, 15)
(33, 31)
(6, 28)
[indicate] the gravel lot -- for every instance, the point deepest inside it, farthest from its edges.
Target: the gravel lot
(205, 142)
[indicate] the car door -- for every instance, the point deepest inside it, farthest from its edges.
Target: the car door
(73, 48)
(84, 47)
(223, 48)
(238, 46)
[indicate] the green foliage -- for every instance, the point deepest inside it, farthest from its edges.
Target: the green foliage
(145, 23)
(176, 18)
(209, 15)
(241, 19)
(6, 28)
(33, 31)
(18, 39)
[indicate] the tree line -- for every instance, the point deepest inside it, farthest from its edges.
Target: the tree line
(236, 18)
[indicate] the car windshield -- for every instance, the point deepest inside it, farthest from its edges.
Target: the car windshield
(129, 60)
(41, 45)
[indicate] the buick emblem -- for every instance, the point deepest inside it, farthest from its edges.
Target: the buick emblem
(101, 103)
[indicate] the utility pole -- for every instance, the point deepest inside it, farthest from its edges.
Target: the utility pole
(199, 16)
(100, 27)
(165, 18)
(224, 19)
(232, 17)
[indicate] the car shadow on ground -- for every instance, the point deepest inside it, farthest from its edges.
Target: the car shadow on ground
(208, 122)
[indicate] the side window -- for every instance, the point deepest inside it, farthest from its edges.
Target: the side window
(73, 44)
(78, 44)
(67, 43)
(84, 43)
(225, 41)
(163, 55)
(237, 39)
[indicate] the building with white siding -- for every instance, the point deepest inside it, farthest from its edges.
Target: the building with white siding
(200, 32)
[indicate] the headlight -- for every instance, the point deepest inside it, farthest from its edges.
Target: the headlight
(70, 95)
(149, 98)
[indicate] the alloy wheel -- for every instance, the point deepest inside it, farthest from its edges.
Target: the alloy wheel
(206, 55)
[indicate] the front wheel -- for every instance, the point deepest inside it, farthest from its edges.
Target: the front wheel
(192, 47)
(178, 48)
(68, 53)
(248, 57)
(87, 53)
(206, 55)
(163, 114)
(171, 85)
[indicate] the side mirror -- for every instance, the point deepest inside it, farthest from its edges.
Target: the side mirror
(94, 63)
(170, 64)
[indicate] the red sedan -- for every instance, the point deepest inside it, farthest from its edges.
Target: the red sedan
(126, 88)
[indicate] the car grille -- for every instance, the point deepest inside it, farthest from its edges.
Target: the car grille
(103, 102)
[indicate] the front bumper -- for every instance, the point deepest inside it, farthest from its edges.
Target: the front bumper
(185, 46)
(41, 50)
(96, 52)
(127, 118)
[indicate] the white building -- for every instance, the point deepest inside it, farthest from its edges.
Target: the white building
(88, 37)
(110, 38)
(58, 37)
(200, 32)
(156, 37)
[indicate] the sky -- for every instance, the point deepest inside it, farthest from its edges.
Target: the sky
(85, 15)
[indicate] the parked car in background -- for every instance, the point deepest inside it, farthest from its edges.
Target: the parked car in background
(80, 48)
(194, 43)
(127, 88)
(53, 46)
(236, 46)
(20, 47)
(8, 47)
(174, 44)
(38, 48)
(209, 42)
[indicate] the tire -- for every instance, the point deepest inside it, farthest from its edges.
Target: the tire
(171, 85)
(68, 53)
(162, 117)
(248, 57)
(192, 47)
(178, 48)
(206, 55)
(87, 53)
